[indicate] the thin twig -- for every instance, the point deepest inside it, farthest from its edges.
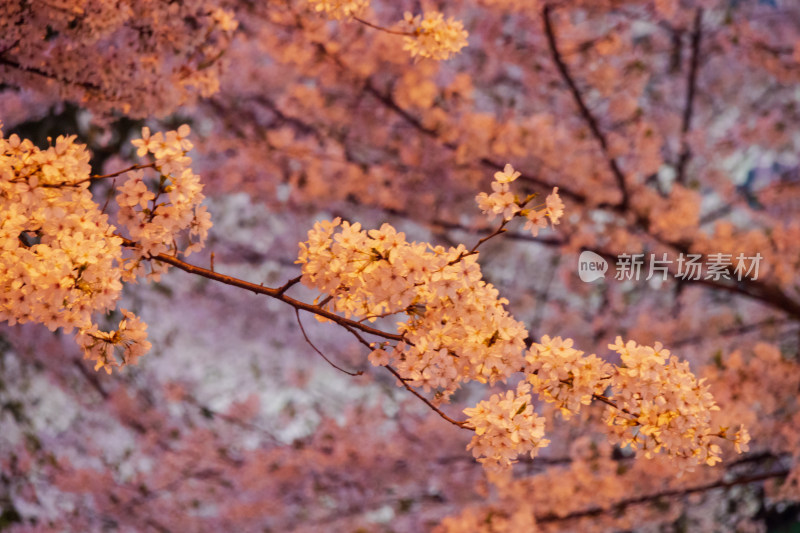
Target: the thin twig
(109, 195)
(381, 28)
(289, 284)
(305, 335)
(438, 411)
(324, 301)
(498, 231)
(117, 173)
(408, 387)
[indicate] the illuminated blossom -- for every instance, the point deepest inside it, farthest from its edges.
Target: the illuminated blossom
(506, 427)
(434, 37)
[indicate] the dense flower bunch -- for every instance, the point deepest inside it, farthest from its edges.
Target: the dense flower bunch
(660, 404)
(339, 9)
(456, 329)
(155, 220)
(562, 375)
(656, 405)
(506, 427)
(59, 256)
(62, 262)
(434, 37)
(505, 203)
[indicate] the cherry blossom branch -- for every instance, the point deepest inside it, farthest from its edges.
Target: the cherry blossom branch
(289, 284)
(277, 293)
(387, 101)
(305, 335)
(501, 229)
(34, 70)
(391, 104)
(691, 89)
(117, 173)
(584, 109)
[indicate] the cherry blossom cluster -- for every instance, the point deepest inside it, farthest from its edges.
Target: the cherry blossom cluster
(505, 203)
(656, 404)
(129, 340)
(456, 327)
(434, 37)
(562, 375)
(506, 427)
(339, 9)
(62, 262)
(661, 405)
(59, 260)
(157, 218)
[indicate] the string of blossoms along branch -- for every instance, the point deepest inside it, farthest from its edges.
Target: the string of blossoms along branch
(62, 262)
(425, 36)
(456, 330)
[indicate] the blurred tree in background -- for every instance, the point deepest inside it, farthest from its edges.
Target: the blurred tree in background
(668, 129)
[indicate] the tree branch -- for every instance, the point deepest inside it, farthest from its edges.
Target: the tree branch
(305, 336)
(438, 411)
(691, 89)
(587, 115)
(277, 293)
(622, 504)
(44, 74)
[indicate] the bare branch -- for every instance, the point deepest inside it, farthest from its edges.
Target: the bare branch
(587, 115)
(438, 411)
(305, 335)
